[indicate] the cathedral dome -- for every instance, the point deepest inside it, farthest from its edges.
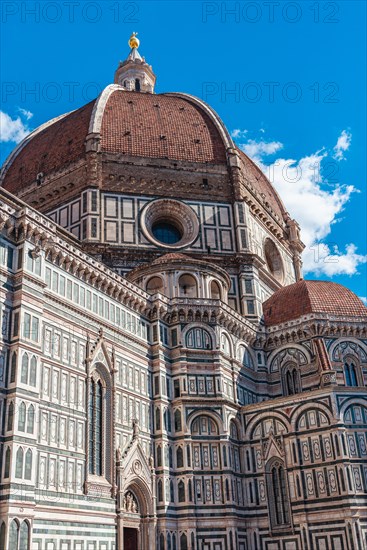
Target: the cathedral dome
(124, 125)
(304, 297)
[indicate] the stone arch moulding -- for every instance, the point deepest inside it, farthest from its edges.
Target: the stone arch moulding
(349, 402)
(288, 353)
(209, 329)
(362, 349)
(257, 419)
(213, 415)
(298, 411)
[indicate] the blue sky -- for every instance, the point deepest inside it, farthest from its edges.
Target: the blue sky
(287, 79)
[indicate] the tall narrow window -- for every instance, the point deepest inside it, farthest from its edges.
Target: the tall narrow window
(181, 491)
(178, 421)
(13, 369)
(277, 494)
(24, 542)
(7, 463)
(95, 428)
(350, 372)
(19, 463)
(291, 381)
(179, 458)
(2, 535)
(9, 426)
(33, 371)
(21, 417)
(98, 436)
(24, 374)
(183, 542)
(160, 491)
(28, 465)
(14, 534)
(30, 420)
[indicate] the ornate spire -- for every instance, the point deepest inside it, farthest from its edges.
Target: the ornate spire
(134, 74)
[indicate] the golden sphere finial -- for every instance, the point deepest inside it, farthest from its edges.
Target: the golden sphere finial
(133, 41)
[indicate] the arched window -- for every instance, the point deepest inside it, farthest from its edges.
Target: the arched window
(190, 490)
(225, 344)
(95, 427)
(30, 419)
(172, 492)
(203, 425)
(198, 338)
(168, 541)
(155, 284)
(24, 372)
(13, 369)
(19, 463)
(14, 534)
(179, 458)
(233, 431)
(137, 84)
(178, 421)
(2, 535)
(161, 542)
(228, 496)
(159, 456)
(183, 542)
(173, 541)
(21, 417)
(244, 357)
(291, 380)
(278, 500)
(215, 292)
(160, 490)
(181, 491)
(167, 420)
(188, 286)
(28, 465)
(157, 419)
(24, 536)
(33, 371)
(350, 372)
(7, 463)
(192, 541)
(9, 426)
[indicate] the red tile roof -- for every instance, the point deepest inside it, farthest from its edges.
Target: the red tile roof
(303, 297)
(159, 126)
(52, 148)
(174, 127)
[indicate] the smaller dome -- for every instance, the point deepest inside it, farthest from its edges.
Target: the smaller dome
(303, 297)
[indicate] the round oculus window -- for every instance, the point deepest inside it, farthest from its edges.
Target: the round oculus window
(166, 233)
(169, 224)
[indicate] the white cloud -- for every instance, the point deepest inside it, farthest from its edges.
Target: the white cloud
(314, 205)
(342, 145)
(258, 149)
(27, 114)
(327, 259)
(237, 133)
(12, 129)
